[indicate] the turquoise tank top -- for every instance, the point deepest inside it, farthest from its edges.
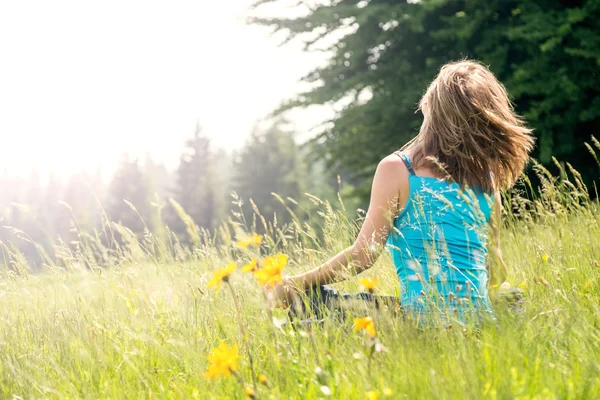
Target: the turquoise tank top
(438, 244)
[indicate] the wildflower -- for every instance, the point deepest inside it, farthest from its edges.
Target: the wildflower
(222, 275)
(365, 323)
(372, 395)
(270, 273)
(223, 361)
(369, 284)
(544, 257)
(523, 285)
(249, 392)
(262, 378)
(387, 392)
(254, 240)
(251, 266)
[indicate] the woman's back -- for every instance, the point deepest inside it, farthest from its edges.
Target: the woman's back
(471, 135)
(439, 246)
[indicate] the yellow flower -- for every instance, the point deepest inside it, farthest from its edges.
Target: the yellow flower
(249, 392)
(251, 266)
(222, 275)
(372, 395)
(544, 257)
(270, 273)
(223, 361)
(523, 285)
(254, 240)
(387, 392)
(262, 378)
(369, 284)
(365, 323)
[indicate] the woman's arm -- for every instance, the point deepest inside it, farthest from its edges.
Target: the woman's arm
(497, 270)
(386, 193)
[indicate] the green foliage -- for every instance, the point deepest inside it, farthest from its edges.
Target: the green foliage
(546, 53)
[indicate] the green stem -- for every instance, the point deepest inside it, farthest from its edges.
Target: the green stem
(244, 335)
(241, 381)
(270, 315)
(370, 358)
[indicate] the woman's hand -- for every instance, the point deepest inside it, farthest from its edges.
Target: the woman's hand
(282, 294)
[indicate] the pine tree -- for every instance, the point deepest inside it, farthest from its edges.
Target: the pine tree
(129, 185)
(195, 182)
(223, 175)
(269, 164)
(384, 53)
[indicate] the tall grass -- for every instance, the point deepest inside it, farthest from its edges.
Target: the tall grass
(133, 317)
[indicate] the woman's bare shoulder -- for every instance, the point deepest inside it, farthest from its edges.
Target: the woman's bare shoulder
(393, 162)
(394, 170)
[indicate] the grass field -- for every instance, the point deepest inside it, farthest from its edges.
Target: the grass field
(143, 326)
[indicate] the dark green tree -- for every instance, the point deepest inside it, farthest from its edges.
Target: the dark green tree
(79, 208)
(269, 164)
(129, 186)
(195, 181)
(223, 175)
(385, 52)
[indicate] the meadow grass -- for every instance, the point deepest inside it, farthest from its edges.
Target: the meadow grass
(135, 319)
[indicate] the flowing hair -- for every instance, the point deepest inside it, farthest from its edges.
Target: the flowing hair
(471, 133)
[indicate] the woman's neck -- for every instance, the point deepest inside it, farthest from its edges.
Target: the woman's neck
(422, 163)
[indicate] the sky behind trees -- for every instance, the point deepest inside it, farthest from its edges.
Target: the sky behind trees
(83, 82)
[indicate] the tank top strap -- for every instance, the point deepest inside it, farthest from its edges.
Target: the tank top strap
(406, 161)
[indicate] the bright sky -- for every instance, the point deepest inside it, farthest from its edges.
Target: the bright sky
(81, 82)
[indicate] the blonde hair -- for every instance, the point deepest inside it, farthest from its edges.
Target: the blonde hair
(470, 130)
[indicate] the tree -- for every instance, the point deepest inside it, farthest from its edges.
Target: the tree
(269, 163)
(129, 185)
(384, 53)
(26, 217)
(223, 176)
(195, 181)
(78, 208)
(20, 226)
(159, 178)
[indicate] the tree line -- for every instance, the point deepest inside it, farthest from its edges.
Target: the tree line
(144, 197)
(384, 53)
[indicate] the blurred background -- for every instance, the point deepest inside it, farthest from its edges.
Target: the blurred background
(136, 110)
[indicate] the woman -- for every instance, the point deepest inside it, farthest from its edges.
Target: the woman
(433, 201)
